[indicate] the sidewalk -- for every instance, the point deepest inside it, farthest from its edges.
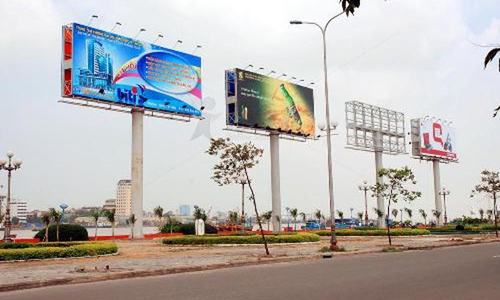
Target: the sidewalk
(146, 258)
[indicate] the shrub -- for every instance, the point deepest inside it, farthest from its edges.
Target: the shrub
(460, 227)
(67, 232)
(375, 232)
(249, 239)
(57, 250)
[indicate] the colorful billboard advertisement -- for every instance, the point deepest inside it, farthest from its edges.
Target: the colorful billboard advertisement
(111, 68)
(264, 102)
(437, 139)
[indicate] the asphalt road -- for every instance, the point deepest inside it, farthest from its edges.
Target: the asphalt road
(466, 272)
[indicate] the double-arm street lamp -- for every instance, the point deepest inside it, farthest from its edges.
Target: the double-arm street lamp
(445, 192)
(365, 188)
(9, 165)
(333, 239)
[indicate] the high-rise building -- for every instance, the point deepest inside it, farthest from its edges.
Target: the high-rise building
(124, 198)
(109, 204)
(18, 208)
(185, 210)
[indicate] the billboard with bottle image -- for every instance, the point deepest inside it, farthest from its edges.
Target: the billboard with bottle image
(264, 102)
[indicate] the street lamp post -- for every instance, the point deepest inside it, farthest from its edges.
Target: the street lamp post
(288, 218)
(365, 188)
(444, 192)
(333, 239)
(9, 165)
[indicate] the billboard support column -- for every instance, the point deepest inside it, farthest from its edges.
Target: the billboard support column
(137, 169)
(437, 189)
(275, 181)
(379, 165)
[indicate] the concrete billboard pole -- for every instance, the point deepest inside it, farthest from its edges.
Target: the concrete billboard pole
(275, 182)
(437, 189)
(378, 166)
(137, 169)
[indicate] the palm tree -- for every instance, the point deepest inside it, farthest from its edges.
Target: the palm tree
(267, 217)
(409, 212)
(318, 216)
(395, 212)
(424, 215)
(436, 214)
(294, 213)
(132, 221)
(95, 214)
(110, 215)
(489, 213)
(57, 216)
(379, 213)
(341, 216)
(481, 213)
(360, 216)
(303, 217)
(158, 211)
(46, 221)
(233, 218)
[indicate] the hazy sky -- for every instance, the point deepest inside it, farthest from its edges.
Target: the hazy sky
(413, 56)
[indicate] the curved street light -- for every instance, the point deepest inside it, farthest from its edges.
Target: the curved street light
(365, 188)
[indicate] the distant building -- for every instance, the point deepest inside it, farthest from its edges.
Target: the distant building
(109, 204)
(18, 208)
(184, 210)
(124, 198)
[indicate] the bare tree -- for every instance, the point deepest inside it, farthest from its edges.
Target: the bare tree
(235, 160)
(490, 184)
(395, 190)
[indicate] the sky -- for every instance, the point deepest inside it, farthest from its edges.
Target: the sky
(413, 56)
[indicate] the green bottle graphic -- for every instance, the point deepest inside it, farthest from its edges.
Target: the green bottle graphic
(290, 105)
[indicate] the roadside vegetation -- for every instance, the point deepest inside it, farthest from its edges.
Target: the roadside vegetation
(375, 232)
(241, 239)
(28, 251)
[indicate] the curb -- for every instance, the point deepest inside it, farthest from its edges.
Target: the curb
(159, 272)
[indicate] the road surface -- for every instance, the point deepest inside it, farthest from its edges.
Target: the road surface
(466, 272)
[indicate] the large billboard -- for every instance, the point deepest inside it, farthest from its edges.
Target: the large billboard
(259, 101)
(434, 139)
(106, 67)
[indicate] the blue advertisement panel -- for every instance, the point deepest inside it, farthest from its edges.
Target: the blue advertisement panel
(113, 68)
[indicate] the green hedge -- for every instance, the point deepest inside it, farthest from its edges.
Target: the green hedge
(251, 239)
(374, 232)
(57, 250)
(31, 245)
(186, 229)
(67, 232)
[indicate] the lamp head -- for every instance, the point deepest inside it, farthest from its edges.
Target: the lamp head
(18, 162)
(295, 22)
(321, 126)
(3, 162)
(9, 153)
(334, 124)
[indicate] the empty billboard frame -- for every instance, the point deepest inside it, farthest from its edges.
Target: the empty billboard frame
(375, 129)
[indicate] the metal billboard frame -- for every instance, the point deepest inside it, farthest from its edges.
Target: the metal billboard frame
(372, 128)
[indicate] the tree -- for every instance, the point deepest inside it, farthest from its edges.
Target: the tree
(409, 212)
(132, 221)
(95, 214)
(436, 214)
(489, 57)
(46, 221)
(303, 217)
(294, 213)
(490, 184)
(424, 215)
(267, 217)
(57, 216)
(489, 213)
(481, 213)
(158, 211)
(171, 220)
(341, 216)
(393, 189)
(110, 215)
(235, 161)
(348, 6)
(319, 215)
(394, 213)
(360, 216)
(233, 218)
